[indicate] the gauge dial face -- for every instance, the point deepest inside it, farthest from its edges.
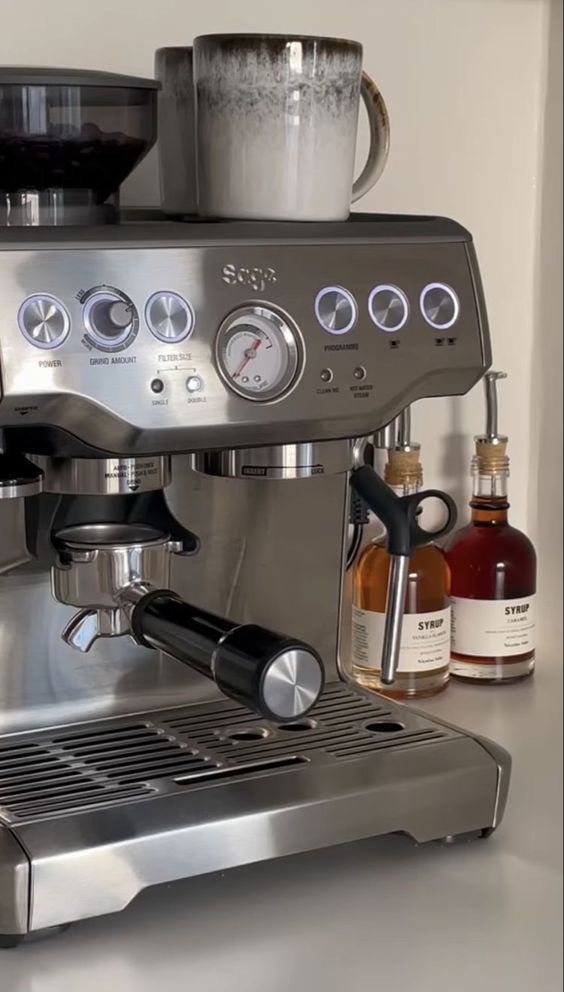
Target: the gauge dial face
(257, 353)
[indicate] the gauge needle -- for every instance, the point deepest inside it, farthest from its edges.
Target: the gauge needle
(250, 353)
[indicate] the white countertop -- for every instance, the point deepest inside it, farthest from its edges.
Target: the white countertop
(376, 915)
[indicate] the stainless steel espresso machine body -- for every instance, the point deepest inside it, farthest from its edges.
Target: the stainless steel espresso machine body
(180, 412)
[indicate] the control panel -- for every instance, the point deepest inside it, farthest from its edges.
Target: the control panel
(178, 347)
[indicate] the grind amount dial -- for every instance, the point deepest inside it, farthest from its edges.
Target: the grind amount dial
(110, 319)
(258, 353)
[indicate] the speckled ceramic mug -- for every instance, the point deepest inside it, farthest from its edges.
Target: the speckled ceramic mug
(176, 142)
(276, 126)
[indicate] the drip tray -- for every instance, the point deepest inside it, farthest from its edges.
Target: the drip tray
(105, 808)
(56, 774)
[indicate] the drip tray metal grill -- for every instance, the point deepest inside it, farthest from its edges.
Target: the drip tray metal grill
(93, 813)
(56, 773)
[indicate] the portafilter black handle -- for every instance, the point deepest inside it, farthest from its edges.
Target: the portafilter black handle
(279, 677)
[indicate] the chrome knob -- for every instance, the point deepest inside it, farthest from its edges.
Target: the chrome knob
(43, 320)
(388, 308)
(439, 305)
(110, 320)
(169, 317)
(118, 315)
(336, 310)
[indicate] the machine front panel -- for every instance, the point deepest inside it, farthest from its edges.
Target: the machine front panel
(189, 347)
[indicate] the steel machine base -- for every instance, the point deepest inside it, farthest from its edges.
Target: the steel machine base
(93, 813)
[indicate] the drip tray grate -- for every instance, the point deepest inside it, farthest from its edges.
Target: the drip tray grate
(121, 760)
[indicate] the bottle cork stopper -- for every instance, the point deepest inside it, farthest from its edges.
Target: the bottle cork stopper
(403, 467)
(491, 455)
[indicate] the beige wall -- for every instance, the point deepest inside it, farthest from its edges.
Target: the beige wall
(466, 84)
(545, 482)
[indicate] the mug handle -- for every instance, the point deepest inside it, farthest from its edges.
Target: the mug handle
(379, 123)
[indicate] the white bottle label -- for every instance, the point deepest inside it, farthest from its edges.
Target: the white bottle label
(425, 640)
(493, 628)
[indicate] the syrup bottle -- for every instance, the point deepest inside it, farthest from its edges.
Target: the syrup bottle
(493, 568)
(423, 668)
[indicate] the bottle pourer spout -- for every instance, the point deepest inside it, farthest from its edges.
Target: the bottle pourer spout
(490, 383)
(490, 465)
(404, 428)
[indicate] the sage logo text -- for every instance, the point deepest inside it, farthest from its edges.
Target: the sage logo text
(257, 278)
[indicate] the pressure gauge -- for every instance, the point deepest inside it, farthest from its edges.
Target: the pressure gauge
(258, 353)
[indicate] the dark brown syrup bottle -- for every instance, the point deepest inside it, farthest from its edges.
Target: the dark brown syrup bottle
(493, 572)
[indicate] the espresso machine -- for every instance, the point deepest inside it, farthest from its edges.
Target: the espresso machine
(184, 415)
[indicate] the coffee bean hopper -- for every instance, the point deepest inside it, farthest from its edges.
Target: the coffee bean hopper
(68, 139)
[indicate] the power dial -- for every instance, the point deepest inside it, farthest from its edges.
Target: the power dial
(43, 320)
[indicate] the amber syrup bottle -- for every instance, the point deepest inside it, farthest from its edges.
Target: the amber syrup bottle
(423, 668)
(493, 571)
